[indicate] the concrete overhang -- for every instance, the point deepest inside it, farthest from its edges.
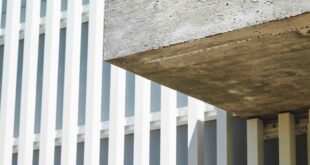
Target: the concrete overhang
(250, 57)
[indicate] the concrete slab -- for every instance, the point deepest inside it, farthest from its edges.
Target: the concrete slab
(133, 26)
(255, 71)
(232, 54)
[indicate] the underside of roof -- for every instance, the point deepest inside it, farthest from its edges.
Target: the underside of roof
(256, 70)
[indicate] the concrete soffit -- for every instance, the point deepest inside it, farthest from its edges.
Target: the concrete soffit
(247, 57)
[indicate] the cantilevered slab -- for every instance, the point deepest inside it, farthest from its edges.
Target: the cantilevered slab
(252, 70)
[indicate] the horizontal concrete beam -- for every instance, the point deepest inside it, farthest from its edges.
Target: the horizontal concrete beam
(249, 67)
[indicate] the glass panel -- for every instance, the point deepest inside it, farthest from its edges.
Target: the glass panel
(128, 155)
(23, 11)
(301, 149)
(210, 143)
(271, 152)
(182, 100)
(239, 141)
(105, 103)
(83, 74)
(18, 87)
(57, 155)
(43, 8)
(39, 85)
(155, 147)
(80, 154)
(61, 77)
(104, 149)
(155, 97)
(130, 94)
(14, 159)
(64, 4)
(1, 68)
(85, 2)
(3, 14)
(182, 145)
(35, 160)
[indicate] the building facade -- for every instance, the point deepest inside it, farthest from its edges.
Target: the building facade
(62, 104)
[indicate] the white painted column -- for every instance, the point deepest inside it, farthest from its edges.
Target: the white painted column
(8, 96)
(142, 121)
(94, 82)
(117, 116)
(224, 137)
(255, 141)
(71, 83)
(50, 80)
(287, 144)
(29, 82)
(168, 126)
(195, 131)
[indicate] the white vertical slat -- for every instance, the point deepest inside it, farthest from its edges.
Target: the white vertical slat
(195, 131)
(287, 144)
(224, 137)
(29, 77)
(168, 127)
(50, 79)
(94, 82)
(117, 116)
(9, 81)
(255, 141)
(71, 83)
(308, 137)
(142, 121)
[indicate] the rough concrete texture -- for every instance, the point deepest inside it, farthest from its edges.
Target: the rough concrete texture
(255, 71)
(133, 26)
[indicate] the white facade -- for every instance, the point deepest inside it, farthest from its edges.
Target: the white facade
(61, 104)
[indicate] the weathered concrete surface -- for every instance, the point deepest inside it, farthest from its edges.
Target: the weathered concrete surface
(133, 26)
(254, 71)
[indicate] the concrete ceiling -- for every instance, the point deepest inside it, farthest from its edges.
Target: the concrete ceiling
(259, 70)
(250, 57)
